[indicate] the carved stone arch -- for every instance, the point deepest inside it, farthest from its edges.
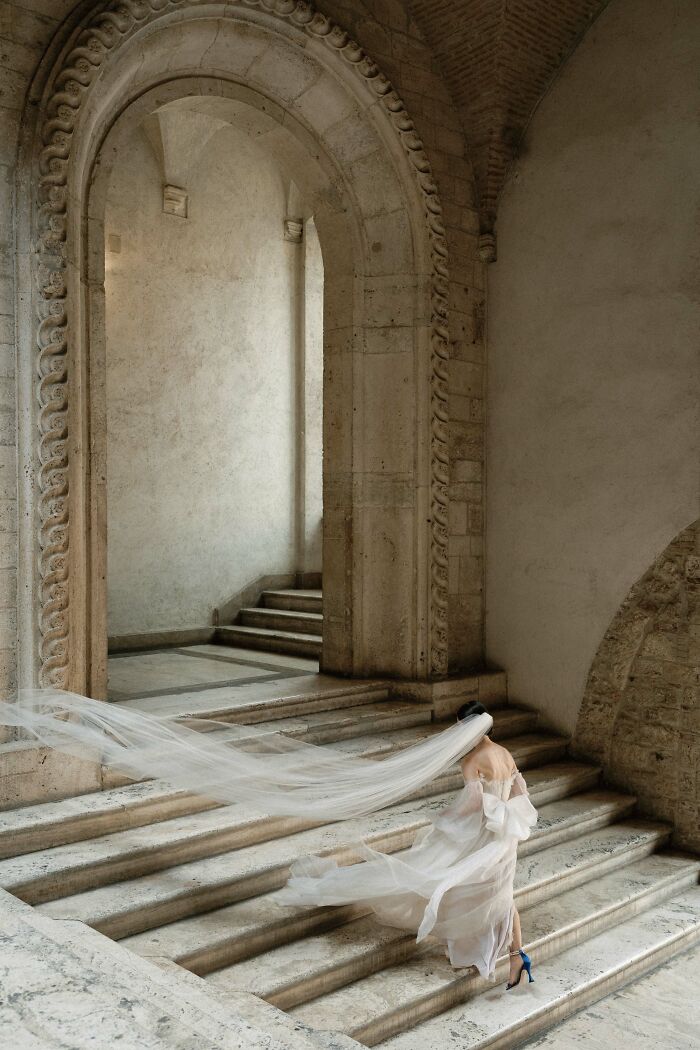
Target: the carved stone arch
(385, 345)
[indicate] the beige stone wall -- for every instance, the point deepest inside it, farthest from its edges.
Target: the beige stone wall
(594, 313)
(201, 383)
(640, 716)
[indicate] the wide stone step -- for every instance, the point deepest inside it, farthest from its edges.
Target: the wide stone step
(282, 620)
(564, 984)
(147, 901)
(70, 868)
(264, 701)
(208, 942)
(298, 973)
(42, 826)
(296, 600)
(70, 820)
(532, 748)
(50, 824)
(295, 643)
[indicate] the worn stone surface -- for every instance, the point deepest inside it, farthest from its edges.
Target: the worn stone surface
(640, 715)
(66, 986)
(659, 1009)
(593, 435)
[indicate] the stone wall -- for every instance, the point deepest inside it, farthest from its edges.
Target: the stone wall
(36, 29)
(201, 379)
(640, 716)
(594, 309)
(395, 41)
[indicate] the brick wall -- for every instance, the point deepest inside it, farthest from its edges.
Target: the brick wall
(498, 58)
(640, 715)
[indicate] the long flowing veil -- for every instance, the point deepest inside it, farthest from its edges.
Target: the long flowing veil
(275, 773)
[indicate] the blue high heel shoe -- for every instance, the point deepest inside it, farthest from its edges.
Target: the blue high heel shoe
(526, 966)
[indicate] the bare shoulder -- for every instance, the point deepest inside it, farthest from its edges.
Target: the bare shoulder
(469, 765)
(506, 756)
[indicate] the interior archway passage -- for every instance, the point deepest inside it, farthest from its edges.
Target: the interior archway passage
(350, 147)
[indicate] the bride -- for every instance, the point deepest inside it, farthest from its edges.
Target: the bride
(455, 883)
(456, 880)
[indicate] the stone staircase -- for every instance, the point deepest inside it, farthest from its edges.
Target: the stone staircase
(288, 621)
(193, 886)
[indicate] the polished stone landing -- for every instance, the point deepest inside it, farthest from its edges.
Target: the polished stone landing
(196, 668)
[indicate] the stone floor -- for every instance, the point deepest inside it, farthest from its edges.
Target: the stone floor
(661, 1009)
(198, 667)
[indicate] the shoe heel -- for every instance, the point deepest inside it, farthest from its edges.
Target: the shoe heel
(526, 966)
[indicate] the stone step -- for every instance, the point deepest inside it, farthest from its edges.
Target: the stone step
(379, 729)
(286, 620)
(575, 978)
(300, 972)
(48, 874)
(70, 820)
(295, 643)
(296, 600)
(150, 900)
(532, 748)
(48, 824)
(264, 701)
(208, 942)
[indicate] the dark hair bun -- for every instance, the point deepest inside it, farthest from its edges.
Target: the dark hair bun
(472, 708)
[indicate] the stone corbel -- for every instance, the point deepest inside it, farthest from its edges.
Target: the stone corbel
(177, 136)
(294, 230)
(175, 201)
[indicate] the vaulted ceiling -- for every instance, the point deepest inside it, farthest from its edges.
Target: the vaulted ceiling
(499, 57)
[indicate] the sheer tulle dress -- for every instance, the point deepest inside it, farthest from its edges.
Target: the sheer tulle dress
(455, 883)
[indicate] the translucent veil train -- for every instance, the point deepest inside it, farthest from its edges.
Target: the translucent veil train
(455, 881)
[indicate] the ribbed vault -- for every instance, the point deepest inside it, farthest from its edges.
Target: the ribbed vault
(499, 57)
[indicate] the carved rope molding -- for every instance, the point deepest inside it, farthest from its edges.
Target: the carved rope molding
(105, 31)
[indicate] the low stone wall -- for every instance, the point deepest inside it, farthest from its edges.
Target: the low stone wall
(640, 715)
(31, 773)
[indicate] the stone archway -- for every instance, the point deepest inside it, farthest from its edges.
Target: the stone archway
(379, 221)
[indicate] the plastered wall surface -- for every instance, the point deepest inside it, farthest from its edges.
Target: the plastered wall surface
(200, 385)
(594, 313)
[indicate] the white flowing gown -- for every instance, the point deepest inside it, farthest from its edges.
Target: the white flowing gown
(455, 883)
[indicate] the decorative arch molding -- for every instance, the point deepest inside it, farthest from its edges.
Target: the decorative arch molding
(640, 715)
(56, 221)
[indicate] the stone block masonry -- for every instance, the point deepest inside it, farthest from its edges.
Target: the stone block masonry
(396, 42)
(640, 715)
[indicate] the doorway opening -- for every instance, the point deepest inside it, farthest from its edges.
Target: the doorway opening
(213, 377)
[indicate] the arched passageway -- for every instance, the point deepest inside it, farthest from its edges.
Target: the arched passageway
(212, 406)
(358, 163)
